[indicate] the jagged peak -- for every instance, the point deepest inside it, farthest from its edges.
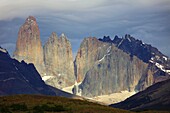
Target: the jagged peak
(53, 38)
(89, 38)
(54, 35)
(31, 18)
(63, 36)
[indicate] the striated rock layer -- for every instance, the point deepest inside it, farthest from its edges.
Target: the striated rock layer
(28, 46)
(58, 60)
(105, 69)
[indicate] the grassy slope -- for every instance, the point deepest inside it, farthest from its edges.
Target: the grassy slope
(48, 104)
(35, 103)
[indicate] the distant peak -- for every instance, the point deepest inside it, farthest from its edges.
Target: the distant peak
(31, 18)
(106, 39)
(53, 34)
(62, 35)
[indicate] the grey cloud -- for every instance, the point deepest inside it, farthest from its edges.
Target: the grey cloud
(147, 20)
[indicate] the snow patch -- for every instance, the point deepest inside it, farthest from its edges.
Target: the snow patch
(120, 43)
(103, 57)
(162, 68)
(129, 39)
(165, 58)
(108, 49)
(151, 61)
(59, 74)
(62, 35)
(159, 66)
(44, 78)
(114, 98)
(69, 89)
(153, 53)
(152, 58)
(3, 50)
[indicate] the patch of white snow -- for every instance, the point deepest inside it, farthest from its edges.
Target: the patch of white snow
(129, 39)
(120, 42)
(44, 78)
(113, 98)
(165, 58)
(3, 50)
(108, 49)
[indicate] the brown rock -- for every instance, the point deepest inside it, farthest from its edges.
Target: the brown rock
(85, 58)
(58, 60)
(105, 69)
(28, 47)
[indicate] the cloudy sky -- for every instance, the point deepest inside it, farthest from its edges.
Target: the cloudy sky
(147, 20)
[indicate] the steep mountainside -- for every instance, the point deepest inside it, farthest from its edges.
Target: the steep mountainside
(58, 60)
(20, 78)
(110, 69)
(86, 57)
(28, 47)
(54, 62)
(156, 97)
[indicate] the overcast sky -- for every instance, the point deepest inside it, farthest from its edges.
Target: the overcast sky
(147, 20)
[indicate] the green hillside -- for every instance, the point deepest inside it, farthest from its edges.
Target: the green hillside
(49, 104)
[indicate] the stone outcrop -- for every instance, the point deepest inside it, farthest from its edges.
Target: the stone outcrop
(86, 57)
(54, 62)
(107, 69)
(28, 46)
(58, 61)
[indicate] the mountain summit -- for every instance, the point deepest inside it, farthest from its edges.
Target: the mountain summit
(58, 60)
(54, 61)
(106, 66)
(29, 47)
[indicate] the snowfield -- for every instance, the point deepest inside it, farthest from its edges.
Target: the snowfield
(113, 98)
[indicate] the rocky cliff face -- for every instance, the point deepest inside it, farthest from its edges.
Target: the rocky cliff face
(58, 60)
(22, 78)
(54, 62)
(86, 57)
(28, 47)
(110, 69)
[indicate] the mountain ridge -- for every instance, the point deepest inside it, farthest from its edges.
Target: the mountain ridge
(103, 61)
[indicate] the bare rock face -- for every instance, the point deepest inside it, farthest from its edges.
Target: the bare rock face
(105, 69)
(112, 71)
(54, 62)
(28, 47)
(86, 57)
(58, 60)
